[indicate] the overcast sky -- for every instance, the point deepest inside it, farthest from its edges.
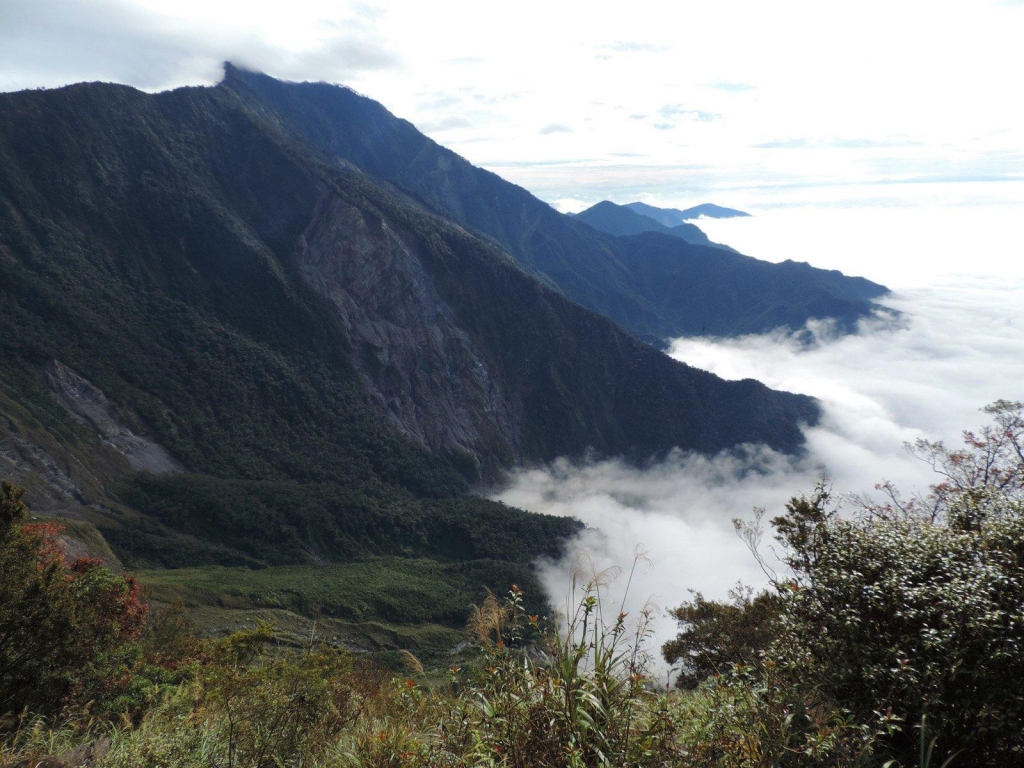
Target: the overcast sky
(748, 103)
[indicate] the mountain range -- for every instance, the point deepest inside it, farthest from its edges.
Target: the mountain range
(596, 271)
(620, 220)
(266, 323)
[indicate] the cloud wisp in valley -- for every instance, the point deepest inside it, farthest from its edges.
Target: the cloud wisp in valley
(957, 347)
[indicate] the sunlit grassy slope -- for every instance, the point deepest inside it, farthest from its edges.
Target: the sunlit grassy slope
(372, 605)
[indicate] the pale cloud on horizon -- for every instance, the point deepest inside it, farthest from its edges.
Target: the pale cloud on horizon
(934, 82)
(445, 124)
(550, 128)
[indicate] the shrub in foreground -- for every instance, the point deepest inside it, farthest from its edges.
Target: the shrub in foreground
(914, 609)
(249, 705)
(67, 630)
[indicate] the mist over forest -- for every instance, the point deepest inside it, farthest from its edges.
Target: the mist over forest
(955, 345)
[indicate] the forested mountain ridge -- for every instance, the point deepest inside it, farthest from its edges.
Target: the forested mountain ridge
(753, 295)
(329, 367)
(591, 268)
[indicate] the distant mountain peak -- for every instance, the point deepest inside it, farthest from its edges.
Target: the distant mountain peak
(241, 76)
(671, 217)
(613, 219)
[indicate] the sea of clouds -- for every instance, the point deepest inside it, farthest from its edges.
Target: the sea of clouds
(956, 345)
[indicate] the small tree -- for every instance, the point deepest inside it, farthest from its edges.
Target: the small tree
(716, 636)
(983, 479)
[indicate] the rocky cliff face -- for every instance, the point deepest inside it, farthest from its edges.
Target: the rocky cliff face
(423, 370)
(88, 406)
(67, 447)
(62, 478)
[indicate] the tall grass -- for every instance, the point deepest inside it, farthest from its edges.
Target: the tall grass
(575, 692)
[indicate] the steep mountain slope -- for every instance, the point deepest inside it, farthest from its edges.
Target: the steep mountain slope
(761, 295)
(672, 217)
(310, 367)
(587, 266)
(620, 220)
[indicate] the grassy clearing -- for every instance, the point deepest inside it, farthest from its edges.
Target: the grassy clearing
(375, 605)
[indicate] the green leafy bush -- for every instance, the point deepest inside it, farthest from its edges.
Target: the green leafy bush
(763, 718)
(916, 609)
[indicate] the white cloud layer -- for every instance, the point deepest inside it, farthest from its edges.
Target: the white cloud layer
(958, 346)
(901, 247)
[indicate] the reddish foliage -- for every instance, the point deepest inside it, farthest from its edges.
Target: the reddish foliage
(68, 631)
(133, 611)
(46, 538)
(85, 564)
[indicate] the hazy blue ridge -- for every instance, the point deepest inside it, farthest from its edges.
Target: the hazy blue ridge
(671, 217)
(620, 220)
